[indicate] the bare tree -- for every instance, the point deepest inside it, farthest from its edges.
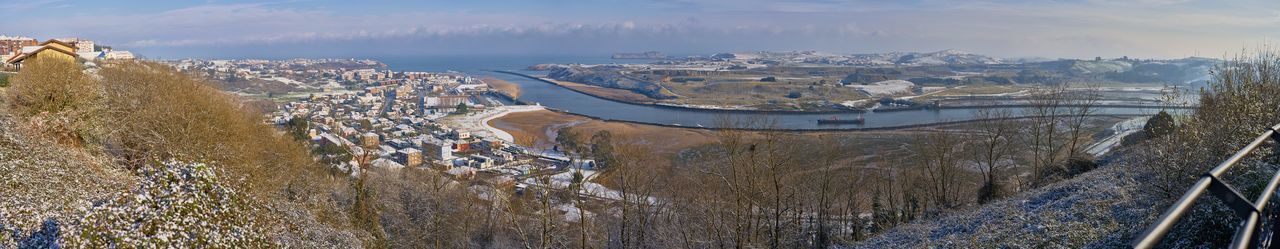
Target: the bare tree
(1081, 106)
(1045, 115)
(997, 142)
(937, 153)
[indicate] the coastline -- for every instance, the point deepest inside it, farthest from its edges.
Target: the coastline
(679, 107)
(479, 122)
(850, 111)
(499, 133)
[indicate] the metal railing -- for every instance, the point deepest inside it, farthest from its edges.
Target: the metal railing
(1250, 234)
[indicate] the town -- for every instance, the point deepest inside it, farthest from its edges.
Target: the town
(356, 113)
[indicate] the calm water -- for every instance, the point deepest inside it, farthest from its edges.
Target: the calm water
(552, 96)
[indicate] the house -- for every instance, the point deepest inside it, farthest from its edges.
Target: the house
(438, 150)
(409, 157)
(369, 139)
(481, 162)
(48, 49)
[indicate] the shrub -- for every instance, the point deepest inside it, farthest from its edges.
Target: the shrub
(4, 80)
(50, 85)
(175, 205)
(1238, 103)
(59, 99)
(1159, 125)
(156, 112)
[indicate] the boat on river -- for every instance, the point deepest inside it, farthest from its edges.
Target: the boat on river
(836, 120)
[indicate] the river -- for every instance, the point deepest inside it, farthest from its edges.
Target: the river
(556, 97)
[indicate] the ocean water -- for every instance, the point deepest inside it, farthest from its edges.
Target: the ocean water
(483, 64)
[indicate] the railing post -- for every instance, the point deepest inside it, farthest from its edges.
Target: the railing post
(1267, 234)
(1232, 197)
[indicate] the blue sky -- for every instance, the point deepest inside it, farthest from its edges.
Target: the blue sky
(320, 28)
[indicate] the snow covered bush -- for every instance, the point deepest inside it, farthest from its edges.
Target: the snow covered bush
(176, 204)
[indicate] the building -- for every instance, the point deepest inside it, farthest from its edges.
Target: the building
(438, 150)
(409, 157)
(369, 140)
(481, 162)
(49, 49)
(119, 55)
(83, 45)
(12, 45)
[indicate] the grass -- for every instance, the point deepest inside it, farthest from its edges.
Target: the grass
(981, 89)
(505, 87)
(737, 91)
(539, 128)
(764, 95)
(608, 93)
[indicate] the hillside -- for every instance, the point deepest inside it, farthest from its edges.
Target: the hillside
(44, 183)
(1107, 207)
(944, 57)
(1098, 209)
(135, 154)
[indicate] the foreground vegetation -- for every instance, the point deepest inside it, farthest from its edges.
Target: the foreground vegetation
(136, 154)
(181, 164)
(1110, 207)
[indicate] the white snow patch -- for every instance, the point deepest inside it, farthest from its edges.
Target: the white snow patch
(886, 88)
(1119, 131)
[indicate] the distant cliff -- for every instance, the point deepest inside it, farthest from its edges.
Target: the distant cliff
(654, 55)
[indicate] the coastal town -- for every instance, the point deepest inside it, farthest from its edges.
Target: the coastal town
(639, 124)
(414, 119)
(356, 112)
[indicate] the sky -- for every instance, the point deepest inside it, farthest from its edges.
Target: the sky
(372, 28)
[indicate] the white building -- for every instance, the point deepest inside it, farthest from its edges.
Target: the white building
(437, 150)
(84, 46)
(119, 55)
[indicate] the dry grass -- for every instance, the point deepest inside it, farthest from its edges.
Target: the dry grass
(535, 129)
(607, 93)
(542, 127)
(981, 89)
(505, 87)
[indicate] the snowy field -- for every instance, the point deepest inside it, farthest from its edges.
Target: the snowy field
(886, 88)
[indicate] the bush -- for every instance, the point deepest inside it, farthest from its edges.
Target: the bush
(52, 86)
(175, 205)
(4, 80)
(156, 112)
(1235, 107)
(1159, 125)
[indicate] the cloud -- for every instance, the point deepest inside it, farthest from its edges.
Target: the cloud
(1000, 27)
(28, 5)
